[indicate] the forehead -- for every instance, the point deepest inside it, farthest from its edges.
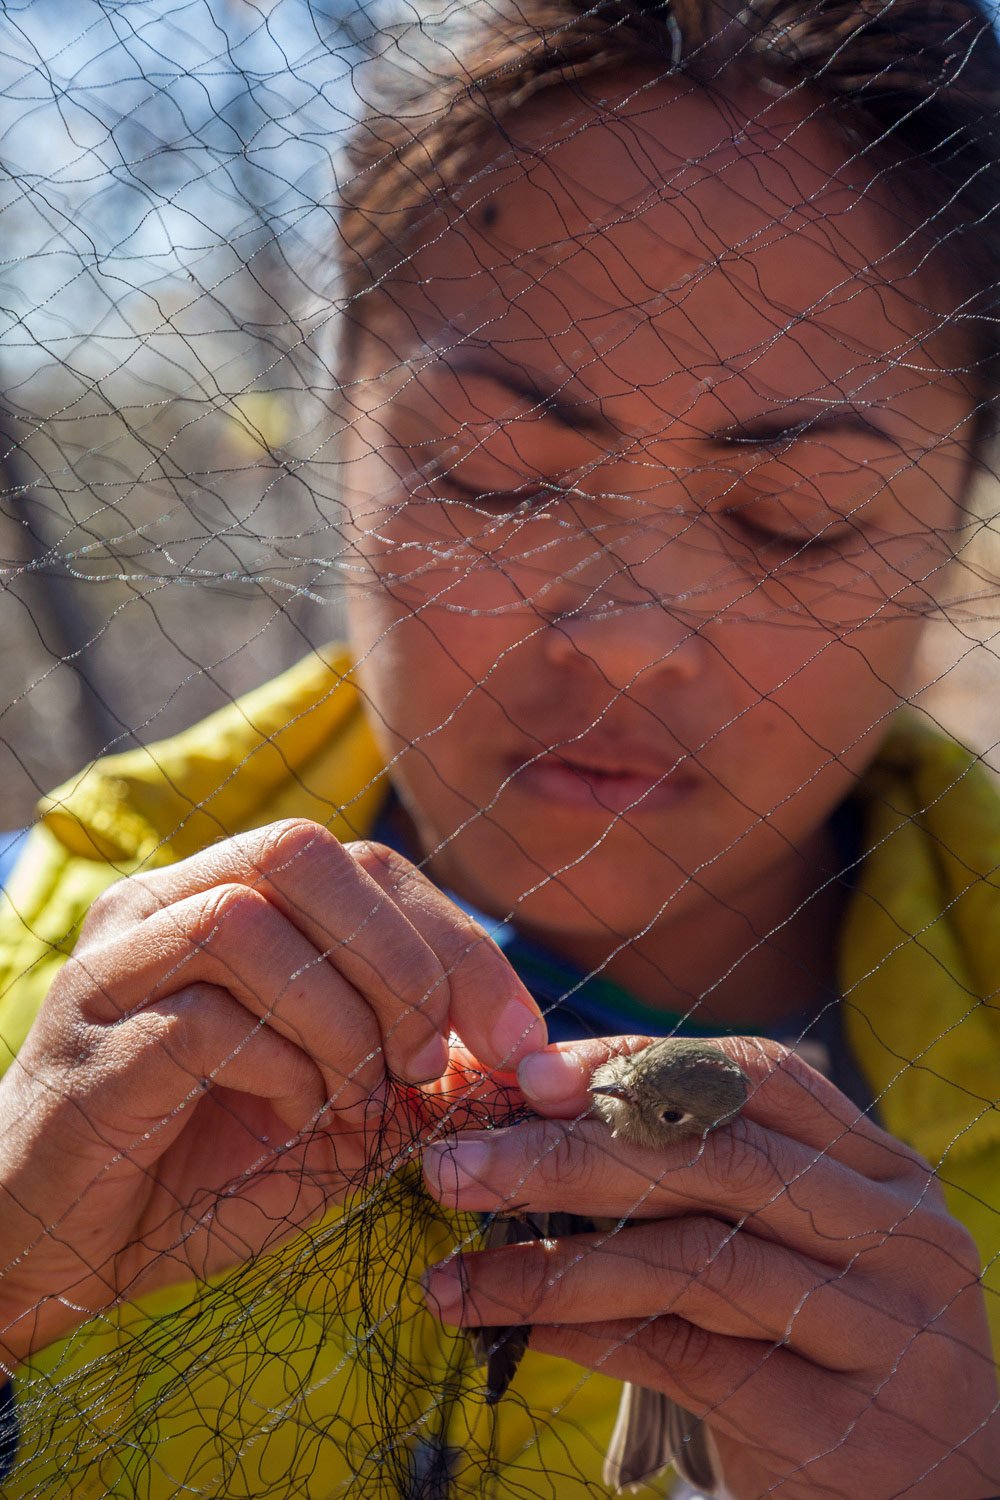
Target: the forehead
(664, 239)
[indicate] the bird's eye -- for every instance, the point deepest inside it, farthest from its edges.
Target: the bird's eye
(674, 1116)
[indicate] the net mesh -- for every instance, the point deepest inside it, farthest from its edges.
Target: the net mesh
(618, 382)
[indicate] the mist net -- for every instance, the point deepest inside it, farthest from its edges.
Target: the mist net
(499, 554)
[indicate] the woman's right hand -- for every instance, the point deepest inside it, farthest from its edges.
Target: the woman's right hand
(209, 1070)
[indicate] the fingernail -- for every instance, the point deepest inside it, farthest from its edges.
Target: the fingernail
(429, 1061)
(514, 1031)
(552, 1077)
(442, 1289)
(456, 1166)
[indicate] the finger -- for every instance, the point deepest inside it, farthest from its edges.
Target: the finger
(172, 1052)
(740, 1173)
(488, 1005)
(694, 1267)
(738, 1385)
(311, 881)
(422, 963)
(232, 937)
(467, 1097)
(198, 1062)
(784, 1094)
(155, 1068)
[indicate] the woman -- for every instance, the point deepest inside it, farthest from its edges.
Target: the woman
(664, 382)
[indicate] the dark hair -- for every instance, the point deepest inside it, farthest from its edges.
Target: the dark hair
(912, 84)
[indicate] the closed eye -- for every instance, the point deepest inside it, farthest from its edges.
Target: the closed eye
(774, 433)
(829, 539)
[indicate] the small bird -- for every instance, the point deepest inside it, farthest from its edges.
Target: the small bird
(675, 1088)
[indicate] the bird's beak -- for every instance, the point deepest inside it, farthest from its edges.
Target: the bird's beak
(612, 1090)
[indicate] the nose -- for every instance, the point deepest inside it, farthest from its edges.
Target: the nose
(629, 606)
(630, 646)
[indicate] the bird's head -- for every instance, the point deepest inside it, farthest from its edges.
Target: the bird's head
(674, 1088)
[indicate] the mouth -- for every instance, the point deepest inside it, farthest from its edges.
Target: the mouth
(600, 782)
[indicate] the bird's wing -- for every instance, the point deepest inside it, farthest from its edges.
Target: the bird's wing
(500, 1348)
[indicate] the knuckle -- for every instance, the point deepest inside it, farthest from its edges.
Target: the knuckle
(377, 860)
(300, 1074)
(368, 859)
(955, 1242)
(371, 861)
(918, 1173)
(238, 910)
(417, 978)
(73, 978)
(398, 886)
(472, 955)
(107, 911)
(908, 1173)
(178, 1032)
(703, 1244)
(403, 980)
(104, 905)
(561, 1162)
(406, 965)
(78, 991)
(689, 1347)
(156, 1037)
(527, 1281)
(738, 1158)
(283, 843)
(192, 1029)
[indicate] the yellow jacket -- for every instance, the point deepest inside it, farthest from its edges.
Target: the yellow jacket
(316, 1370)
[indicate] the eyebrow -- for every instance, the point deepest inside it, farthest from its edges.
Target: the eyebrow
(582, 414)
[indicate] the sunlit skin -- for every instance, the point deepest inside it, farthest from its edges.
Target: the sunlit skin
(740, 506)
(744, 704)
(704, 356)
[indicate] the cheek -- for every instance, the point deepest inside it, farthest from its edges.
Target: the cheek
(797, 662)
(425, 672)
(816, 708)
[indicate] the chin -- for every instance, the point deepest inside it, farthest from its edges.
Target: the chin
(595, 878)
(615, 901)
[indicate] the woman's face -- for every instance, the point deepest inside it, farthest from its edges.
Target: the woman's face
(656, 466)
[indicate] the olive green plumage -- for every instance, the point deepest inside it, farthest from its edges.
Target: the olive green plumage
(673, 1088)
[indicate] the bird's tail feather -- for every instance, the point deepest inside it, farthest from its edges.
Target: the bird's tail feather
(651, 1432)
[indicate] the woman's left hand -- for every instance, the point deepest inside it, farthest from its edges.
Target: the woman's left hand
(794, 1278)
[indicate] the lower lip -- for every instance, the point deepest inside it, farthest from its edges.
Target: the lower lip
(601, 791)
